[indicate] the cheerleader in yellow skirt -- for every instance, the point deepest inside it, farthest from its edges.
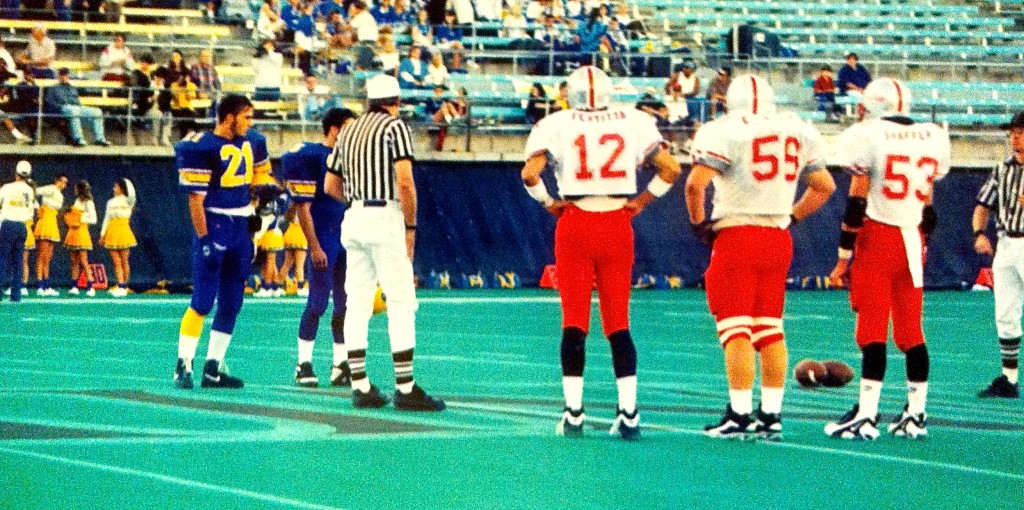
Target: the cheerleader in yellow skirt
(295, 249)
(78, 241)
(30, 246)
(271, 242)
(116, 234)
(51, 199)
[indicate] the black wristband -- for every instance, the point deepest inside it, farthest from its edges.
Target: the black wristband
(978, 233)
(410, 227)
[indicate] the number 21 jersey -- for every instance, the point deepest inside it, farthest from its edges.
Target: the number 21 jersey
(759, 159)
(595, 153)
(902, 160)
(222, 169)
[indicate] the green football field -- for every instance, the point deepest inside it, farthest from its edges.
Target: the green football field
(89, 417)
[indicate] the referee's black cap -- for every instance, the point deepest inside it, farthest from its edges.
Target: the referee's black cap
(336, 117)
(1016, 122)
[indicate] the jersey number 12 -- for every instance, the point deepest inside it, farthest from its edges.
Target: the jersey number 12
(606, 171)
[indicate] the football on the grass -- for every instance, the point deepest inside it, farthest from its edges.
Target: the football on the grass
(810, 373)
(838, 373)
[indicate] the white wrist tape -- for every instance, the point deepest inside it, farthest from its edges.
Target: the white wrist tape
(845, 254)
(539, 192)
(658, 187)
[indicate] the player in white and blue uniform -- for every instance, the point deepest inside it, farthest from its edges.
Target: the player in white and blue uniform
(218, 169)
(320, 217)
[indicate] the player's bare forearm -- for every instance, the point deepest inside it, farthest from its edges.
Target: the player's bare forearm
(333, 186)
(533, 168)
(696, 188)
(820, 187)
(197, 212)
(979, 221)
(302, 212)
(406, 190)
(668, 167)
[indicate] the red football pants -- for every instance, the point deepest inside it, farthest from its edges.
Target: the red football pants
(746, 283)
(594, 247)
(881, 287)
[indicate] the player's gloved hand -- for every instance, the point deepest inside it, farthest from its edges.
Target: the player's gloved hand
(704, 232)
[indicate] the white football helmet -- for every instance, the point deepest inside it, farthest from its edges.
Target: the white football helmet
(750, 94)
(589, 89)
(886, 96)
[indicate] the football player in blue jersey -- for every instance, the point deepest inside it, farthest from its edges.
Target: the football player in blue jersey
(218, 169)
(320, 215)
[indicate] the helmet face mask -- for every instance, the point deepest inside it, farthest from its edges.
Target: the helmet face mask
(886, 96)
(750, 94)
(589, 89)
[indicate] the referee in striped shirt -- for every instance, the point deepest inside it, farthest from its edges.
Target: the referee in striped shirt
(1003, 194)
(371, 169)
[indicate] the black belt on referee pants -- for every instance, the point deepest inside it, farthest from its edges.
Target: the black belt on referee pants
(1014, 235)
(375, 203)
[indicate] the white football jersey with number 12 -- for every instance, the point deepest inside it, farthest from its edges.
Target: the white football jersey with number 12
(595, 153)
(759, 159)
(901, 160)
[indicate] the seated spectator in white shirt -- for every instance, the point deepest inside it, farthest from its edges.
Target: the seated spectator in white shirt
(267, 65)
(437, 72)
(387, 54)
(116, 61)
(412, 72)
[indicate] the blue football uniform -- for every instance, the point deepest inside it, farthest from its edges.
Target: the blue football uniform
(304, 169)
(224, 170)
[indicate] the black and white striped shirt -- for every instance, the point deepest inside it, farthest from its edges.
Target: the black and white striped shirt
(1001, 193)
(365, 156)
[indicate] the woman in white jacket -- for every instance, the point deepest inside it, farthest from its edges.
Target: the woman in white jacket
(116, 234)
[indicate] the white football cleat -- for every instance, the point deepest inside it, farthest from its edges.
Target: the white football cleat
(91, 292)
(74, 291)
(912, 426)
(853, 426)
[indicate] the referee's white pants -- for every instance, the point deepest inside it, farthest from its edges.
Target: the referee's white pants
(374, 240)
(1008, 281)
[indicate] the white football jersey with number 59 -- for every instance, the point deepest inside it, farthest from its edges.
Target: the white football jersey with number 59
(759, 159)
(595, 153)
(901, 160)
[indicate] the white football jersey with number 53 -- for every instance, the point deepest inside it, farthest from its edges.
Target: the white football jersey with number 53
(595, 153)
(902, 161)
(759, 159)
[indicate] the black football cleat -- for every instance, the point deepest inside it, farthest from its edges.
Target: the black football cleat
(417, 400)
(341, 375)
(182, 375)
(1000, 388)
(732, 426)
(767, 426)
(627, 426)
(214, 378)
(372, 399)
(304, 375)
(571, 423)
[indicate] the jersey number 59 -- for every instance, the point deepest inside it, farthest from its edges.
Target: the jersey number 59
(765, 150)
(239, 170)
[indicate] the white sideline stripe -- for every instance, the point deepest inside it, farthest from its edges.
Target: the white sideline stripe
(295, 503)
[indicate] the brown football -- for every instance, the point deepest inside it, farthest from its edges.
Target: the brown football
(838, 374)
(810, 373)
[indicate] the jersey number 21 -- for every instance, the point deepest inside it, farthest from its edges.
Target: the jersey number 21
(239, 169)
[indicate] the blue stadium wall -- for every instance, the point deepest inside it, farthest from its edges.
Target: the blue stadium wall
(476, 216)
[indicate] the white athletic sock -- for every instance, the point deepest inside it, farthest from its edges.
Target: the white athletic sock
(17, 134)
(1011, 374)
(572, 388)
(218, 345)
(405, 388)
(917, 394)
(305, 351)
(187, 348)
(340, 353)
(870, 392)
(771, 399)
(742, 401)
(362, 385)
(627, 393)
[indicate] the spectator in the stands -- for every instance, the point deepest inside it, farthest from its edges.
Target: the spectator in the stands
(267, 64)
(63, 99)
(26, 96)
(685, 81)
(175, 68)
(116, 61)
(574, 9)
(383, 12)
(562, 100)
(437, 72)
(308, 38)
(7, 104)
(339, 33)
(40, 53)
(488, 9)
(6, 62)
(853, 77)
(183, 92)
(204, 76)
(449, 35)
(290, 12)
(387, 54)
(313, 100)
(325, 8)
(269, 25)
(550, 34)
(717, 90)
(678, 110)
(536, 9)
(143, 97)
(515, 24)
(412, 72)
(422, 31)
(446, 112)
(591, 34)
(538, 105)
(825, 92)
(616, 37)
(366, 30)
(463, 9)
(160, 115)
(403, 17)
